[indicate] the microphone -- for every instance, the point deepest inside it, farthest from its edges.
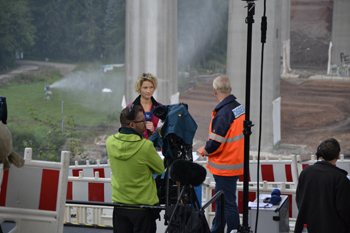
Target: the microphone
(187, 172)
(275, 197)
(148, 117)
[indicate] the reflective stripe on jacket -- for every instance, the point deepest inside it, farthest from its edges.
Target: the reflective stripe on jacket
(225, 145)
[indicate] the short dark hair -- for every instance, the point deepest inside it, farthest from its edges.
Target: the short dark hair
(328, 149)
(129, 113)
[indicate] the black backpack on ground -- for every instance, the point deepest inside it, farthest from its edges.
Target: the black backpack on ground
(186, 219)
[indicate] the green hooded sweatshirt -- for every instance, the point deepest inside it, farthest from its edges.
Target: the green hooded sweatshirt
(133, 161)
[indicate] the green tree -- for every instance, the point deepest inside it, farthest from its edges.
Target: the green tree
(41, 21)
(114, 30)
(89, 40)
(69, 30)
(82, 30)
(72, 13)
(16, 30)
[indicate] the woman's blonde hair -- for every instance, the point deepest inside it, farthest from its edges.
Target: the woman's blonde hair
(145, 77)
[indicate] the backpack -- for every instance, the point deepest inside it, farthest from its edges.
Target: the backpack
(186, 219)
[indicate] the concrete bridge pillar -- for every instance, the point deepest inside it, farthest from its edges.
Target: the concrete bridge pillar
(151, 46)
(340, 48)
(285, 35)
(236, 68)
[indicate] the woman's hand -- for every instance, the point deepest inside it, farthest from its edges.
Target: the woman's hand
(150, 126)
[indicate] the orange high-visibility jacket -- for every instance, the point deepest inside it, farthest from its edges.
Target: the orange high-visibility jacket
(225, 145)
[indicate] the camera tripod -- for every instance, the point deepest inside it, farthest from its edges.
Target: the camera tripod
(187, 214)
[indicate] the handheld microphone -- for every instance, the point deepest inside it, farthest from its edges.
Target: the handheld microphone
(148, 117)
(187, 172)
(275, 197)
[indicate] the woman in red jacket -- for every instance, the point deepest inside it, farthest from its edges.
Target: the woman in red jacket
(145, 85)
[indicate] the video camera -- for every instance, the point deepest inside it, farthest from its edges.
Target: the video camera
(176, 135)
(3, 110)
(175, 138)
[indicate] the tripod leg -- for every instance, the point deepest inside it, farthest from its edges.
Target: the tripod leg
(193, 198)
(167, 187)
(177, 203)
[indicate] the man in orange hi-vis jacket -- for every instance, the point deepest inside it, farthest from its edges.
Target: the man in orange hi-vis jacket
(225, 151)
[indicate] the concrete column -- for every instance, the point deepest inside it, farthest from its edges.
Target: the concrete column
(340, 50)
(151, 46)
(285, 35)
(285, 29)
(236, 67)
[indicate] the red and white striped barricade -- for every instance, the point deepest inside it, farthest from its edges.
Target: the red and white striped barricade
(341, 163)
(34, 196)
(303, 164)
(86, 190)
(273, 173)
(90, 182)
(95, 188)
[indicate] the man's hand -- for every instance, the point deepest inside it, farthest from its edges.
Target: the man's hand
(199, 151)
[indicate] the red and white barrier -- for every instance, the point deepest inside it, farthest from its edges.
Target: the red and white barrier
(89, 183)
(1, 172)
(274, 173)
(34, 196)
(341, 163)
(280, 174)
(94, 188)
(303, 164)
(92, 182)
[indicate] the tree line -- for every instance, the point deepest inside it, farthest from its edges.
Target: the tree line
(94, 30)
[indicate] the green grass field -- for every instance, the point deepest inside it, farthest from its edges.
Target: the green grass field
(88, 111)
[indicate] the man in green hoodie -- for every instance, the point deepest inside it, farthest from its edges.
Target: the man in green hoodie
(133, 161)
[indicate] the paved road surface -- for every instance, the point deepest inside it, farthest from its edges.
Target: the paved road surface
(32, 66)
(7, 226)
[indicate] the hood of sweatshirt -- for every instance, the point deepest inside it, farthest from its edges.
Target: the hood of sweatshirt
(128, 142)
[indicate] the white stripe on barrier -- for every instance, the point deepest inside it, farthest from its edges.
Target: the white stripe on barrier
(19, 176)
(1, 172)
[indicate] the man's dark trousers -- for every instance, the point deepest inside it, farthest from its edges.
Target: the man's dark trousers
(133, 221)
(228, 185)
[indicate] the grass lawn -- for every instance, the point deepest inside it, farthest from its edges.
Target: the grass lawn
(86, 106)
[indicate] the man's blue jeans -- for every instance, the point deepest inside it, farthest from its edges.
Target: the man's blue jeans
(228, 185)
